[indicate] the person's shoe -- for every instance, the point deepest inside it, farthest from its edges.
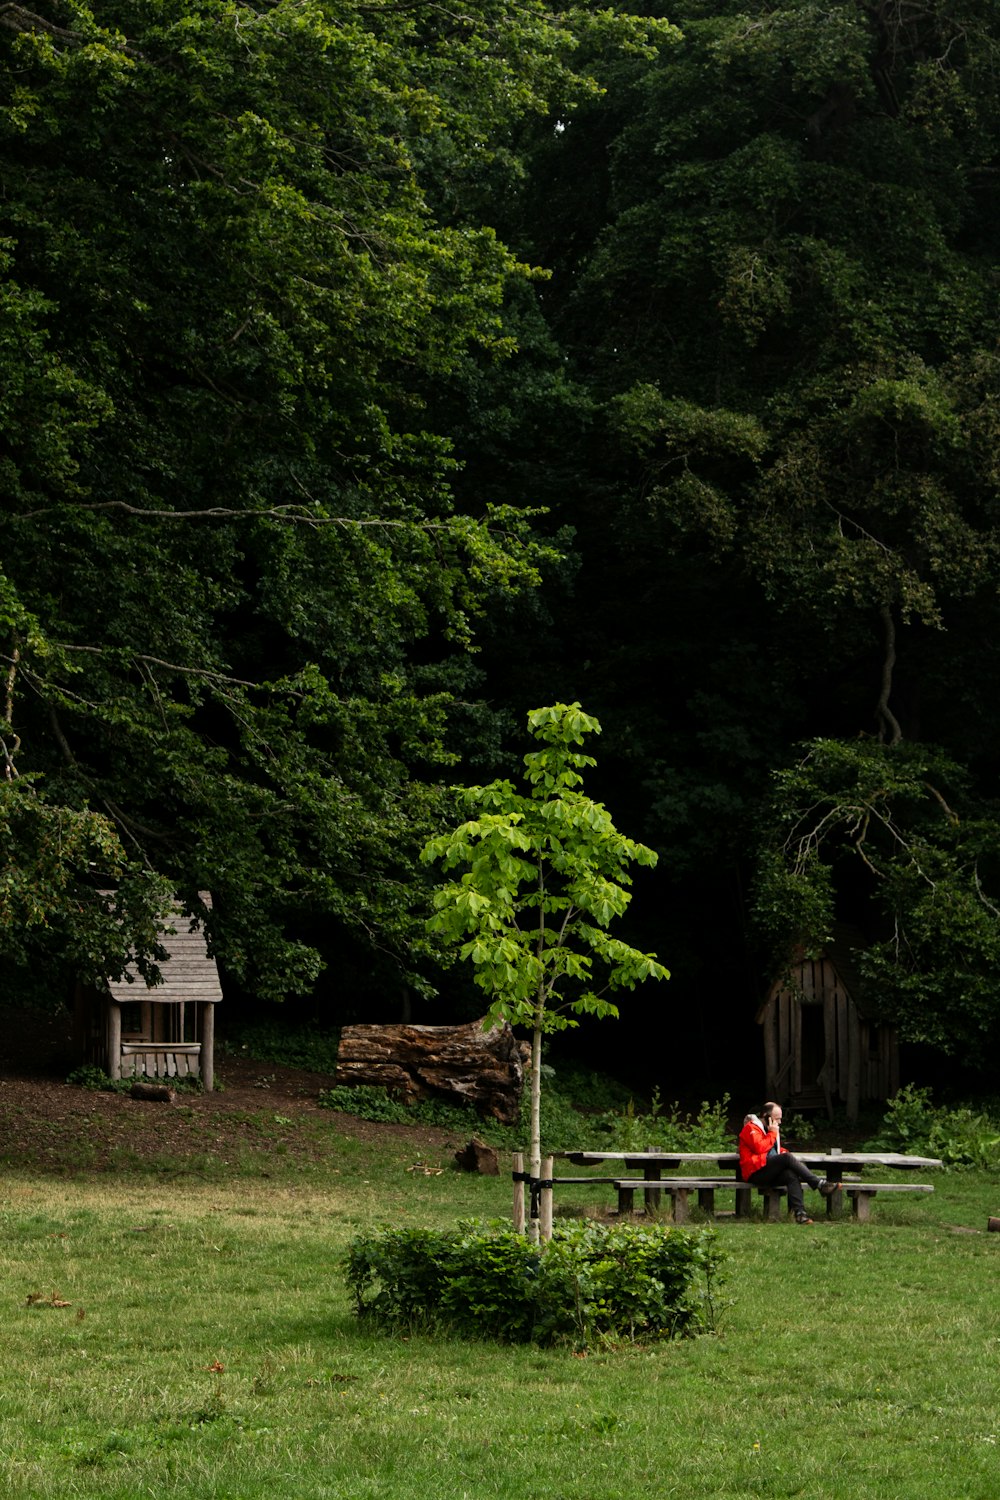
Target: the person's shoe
(803, 1218)
(828, 1188)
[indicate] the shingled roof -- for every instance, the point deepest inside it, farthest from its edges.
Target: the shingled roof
(189, 973)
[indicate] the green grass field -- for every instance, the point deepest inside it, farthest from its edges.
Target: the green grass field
(194, 1338)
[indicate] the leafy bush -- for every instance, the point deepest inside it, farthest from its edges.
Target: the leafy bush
(91, 1077)
(799, 1129)
(590, 1283)
(667, 1128)
(368, 1102)
(961, 1137)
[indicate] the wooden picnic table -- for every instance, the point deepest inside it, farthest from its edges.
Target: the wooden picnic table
(832, 1163)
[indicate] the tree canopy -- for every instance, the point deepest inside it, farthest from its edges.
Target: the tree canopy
(237, 589)
(370, 371)
(773, 256)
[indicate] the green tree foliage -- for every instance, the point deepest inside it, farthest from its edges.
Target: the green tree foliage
(236, 587)
(544, 876)
(906, 815)
(792, 301)
(776, 289)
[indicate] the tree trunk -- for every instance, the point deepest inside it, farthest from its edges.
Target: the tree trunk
(535, 1144)
(460, 1063)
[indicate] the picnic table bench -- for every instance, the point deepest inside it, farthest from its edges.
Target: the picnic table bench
(833, 1164)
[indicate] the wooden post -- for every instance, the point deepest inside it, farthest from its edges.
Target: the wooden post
(114, 1039)
(625, 1196)
(835, 1202)
(651, 1196)
(545, 1201)
(517, 1162)
(208, 1046)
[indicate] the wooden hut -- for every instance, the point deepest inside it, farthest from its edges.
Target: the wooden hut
(822, 1044)
(166, 1031)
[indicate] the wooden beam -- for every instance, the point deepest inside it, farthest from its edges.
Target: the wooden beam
(114, 1040)
(208, 1046)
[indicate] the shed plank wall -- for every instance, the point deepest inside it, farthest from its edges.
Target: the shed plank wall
(861, 1057)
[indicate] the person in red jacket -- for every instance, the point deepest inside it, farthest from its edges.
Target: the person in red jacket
(765, 1162)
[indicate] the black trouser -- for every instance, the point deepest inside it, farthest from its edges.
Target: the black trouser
(788, 1172)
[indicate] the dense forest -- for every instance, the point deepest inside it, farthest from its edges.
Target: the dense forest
(374, 373)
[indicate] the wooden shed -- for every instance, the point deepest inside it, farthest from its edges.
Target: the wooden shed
(167, 1031)
(822, 1044)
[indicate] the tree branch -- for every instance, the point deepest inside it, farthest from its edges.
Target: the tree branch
(9, 752)
(16, 18)
(888, 724)
(293, 514)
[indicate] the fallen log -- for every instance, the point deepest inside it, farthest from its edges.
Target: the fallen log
(459, 1063)
(160, 1093)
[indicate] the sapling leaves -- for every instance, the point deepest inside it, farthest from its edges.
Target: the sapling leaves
(534, 921)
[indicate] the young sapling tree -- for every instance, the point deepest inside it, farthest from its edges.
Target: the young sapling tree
(544, 875)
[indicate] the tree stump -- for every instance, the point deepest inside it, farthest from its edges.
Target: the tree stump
(477, 1156)
(459, 1063)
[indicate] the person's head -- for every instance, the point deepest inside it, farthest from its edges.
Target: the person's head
(771, 1114)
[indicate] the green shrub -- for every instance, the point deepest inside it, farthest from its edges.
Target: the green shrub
(667, 1128)
(91, 1077)
(590, 1283)
(961, 1137)
(367, 1101)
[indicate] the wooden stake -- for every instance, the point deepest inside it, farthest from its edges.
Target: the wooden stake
(545, 1207)
(518, 1169)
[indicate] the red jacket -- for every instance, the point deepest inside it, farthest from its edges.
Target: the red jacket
(755, 1143)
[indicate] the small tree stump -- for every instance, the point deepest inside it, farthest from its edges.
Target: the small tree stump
(478, 1157)
(458, 1063)
(157, 1092)
(993, 1224)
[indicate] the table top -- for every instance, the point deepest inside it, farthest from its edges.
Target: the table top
(832, 1158)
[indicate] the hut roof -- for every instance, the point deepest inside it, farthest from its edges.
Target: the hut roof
(189, 972)
(842, 950)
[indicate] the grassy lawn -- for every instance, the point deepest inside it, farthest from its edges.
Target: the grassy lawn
(206, 1349)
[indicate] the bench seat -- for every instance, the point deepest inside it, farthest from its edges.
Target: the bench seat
(680, 1189)
(861, 1193)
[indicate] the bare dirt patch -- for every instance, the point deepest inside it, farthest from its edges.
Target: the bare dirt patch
(49, 1125)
